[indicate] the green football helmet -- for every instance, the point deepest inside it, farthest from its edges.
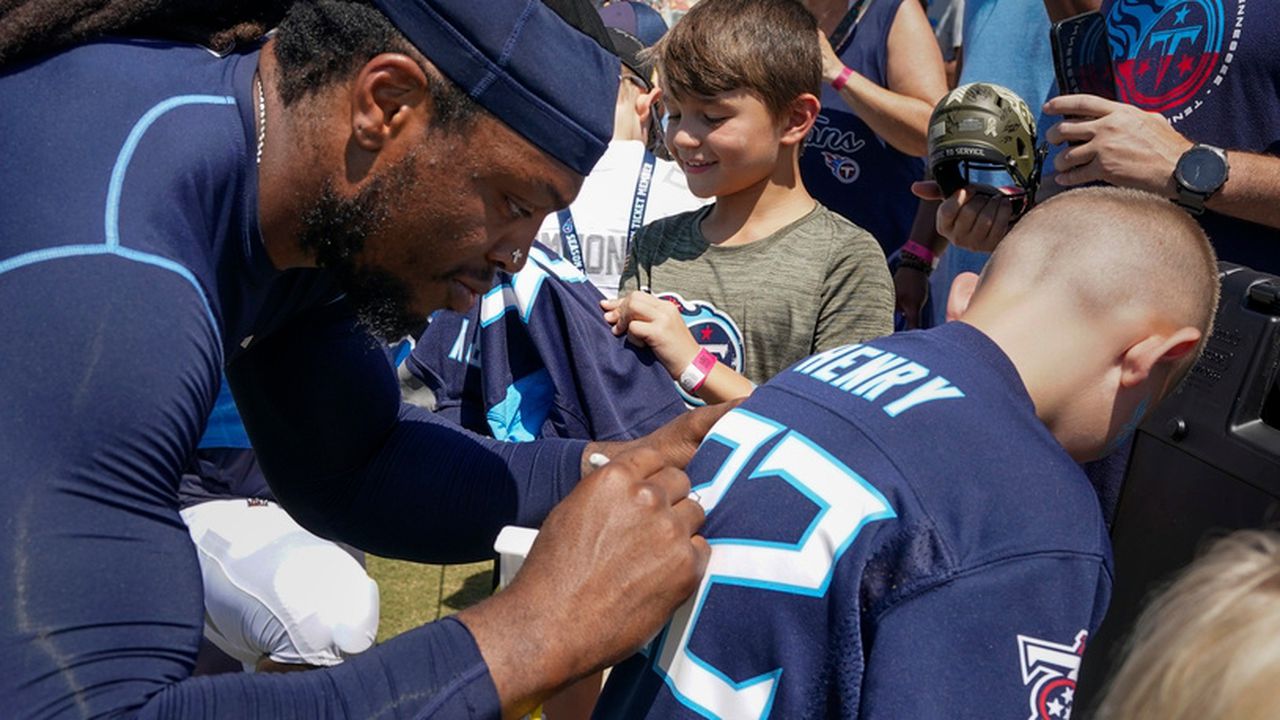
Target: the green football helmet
(985, 126)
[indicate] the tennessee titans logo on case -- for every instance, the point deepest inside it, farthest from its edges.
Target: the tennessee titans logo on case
(714, 330)
(1051, 670)
(1169, 54)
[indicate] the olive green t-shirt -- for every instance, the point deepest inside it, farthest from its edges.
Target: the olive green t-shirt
(817, 283)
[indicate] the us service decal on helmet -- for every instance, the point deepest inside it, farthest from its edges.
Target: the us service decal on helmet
(984, 126)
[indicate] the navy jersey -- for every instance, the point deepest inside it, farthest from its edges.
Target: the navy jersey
(224, 465)
(535, 358)
(1211, 67)
(894, 534)
(845, 165)
(131, 271)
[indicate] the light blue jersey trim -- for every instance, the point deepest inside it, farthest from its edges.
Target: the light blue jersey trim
(520, 415)
(111, 230)
(224, 428)
(131, 144)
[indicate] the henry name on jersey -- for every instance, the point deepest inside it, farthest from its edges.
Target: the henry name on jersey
(868, 372)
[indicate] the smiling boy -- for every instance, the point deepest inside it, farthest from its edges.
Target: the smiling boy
(766, 275)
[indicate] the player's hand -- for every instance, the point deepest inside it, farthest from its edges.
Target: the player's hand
(911, 291)
(1114, 143)
(650, 321)
(975, 217)
(610, 565)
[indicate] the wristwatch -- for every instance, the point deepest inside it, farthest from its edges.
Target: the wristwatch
(1200, 172)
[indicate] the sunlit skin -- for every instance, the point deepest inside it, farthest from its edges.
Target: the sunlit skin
(732, 148)
(725, 144)
(476, 196)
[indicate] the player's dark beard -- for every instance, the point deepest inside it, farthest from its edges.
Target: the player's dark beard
(334, 231)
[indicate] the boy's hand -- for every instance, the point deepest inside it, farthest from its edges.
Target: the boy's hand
(975, 217)
(647, 320)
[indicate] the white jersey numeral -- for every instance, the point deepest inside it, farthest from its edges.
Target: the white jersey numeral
(846, 503)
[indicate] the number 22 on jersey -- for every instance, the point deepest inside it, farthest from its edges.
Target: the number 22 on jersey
(846, 503)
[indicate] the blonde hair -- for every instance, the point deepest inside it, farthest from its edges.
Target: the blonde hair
(1208, 647)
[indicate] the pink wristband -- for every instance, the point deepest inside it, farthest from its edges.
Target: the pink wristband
(839, 83)
(696, 373)
(919, 251)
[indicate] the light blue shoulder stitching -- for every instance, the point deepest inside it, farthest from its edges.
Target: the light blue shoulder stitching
(111, 243)
(131, 144)
(67, 251)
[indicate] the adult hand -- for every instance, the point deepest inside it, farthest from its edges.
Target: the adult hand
(610, 565)
(1114, 143)
(911, 291)
(975, 217)
(650, 321)
(831, 64)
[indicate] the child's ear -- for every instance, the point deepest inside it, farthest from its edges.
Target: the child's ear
(645, 103)
(962, 289)
(801, 115)
(1142, 358)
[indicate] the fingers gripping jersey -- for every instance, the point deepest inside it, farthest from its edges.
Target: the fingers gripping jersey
(892, 528)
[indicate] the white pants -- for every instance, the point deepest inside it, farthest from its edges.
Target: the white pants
(274, 590)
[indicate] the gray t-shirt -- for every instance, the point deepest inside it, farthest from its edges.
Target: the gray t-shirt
(817, 283)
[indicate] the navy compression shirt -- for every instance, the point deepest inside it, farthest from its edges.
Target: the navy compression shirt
(131, 272)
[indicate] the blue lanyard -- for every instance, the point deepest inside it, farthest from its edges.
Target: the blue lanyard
(639, 203)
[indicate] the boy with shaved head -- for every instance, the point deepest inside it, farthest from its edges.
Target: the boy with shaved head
(900, 528)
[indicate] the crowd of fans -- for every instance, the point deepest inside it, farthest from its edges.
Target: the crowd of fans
(893, 518)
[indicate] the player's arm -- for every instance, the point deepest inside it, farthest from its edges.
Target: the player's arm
(992, 642)
(915, 77)
(350, 462)
(653, 322)
(610, 565)
(857, 294)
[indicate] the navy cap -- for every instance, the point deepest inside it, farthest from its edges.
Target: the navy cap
(550, 83)
(637, 19)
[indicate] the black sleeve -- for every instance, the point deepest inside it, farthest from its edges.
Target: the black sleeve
(350, 462)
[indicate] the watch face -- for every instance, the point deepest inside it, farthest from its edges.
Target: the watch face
(1201, 170)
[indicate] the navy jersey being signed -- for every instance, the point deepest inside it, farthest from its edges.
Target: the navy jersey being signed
(894, 534)
(535, 358)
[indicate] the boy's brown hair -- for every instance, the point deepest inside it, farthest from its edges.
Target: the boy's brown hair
(768, 47)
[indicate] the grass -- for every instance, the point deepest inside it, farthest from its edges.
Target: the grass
(413, 594)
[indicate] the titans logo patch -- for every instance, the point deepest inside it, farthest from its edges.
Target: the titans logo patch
(1169, 54)
(714, 330)
(1050, 670)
